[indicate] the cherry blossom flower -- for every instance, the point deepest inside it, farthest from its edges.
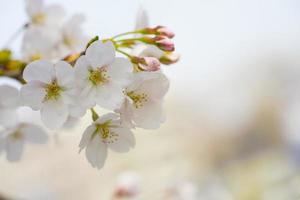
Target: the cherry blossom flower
(101, 77)
(144, 98)
(40, 43)
(13, 138)
(9, 101)
(41, 14)
(50, 89)
(73, 39)
(104, 133)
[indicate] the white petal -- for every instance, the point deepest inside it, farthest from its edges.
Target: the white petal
(106, 117)
(32, 95)
(39, 70)
(34, 134)
(81, 68)
(9, 96)
(142, 19)
(64, 74)
(96, 152)
(55, 13)
(125, 140)
(120, 71)
(156, 86)
(2, 142)
(110, 96)
(8, 117)
(148, 116)
(34, 7)
(100, 54)
(54, 113)
(14, 149)
(86, 137)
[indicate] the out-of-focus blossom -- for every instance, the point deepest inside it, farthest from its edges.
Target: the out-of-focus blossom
(142, 19)
(104, 133)
(12, 139)
(40, 14)
(9, 102)
(182, 191)
(50, 89)
(40, 43)
(127, 185)
(101, 77)
(73, 39)
(144, 98)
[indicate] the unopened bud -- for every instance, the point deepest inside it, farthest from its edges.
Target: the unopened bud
(169, 58)
(147, 63)
(164, 43)
(159, 31)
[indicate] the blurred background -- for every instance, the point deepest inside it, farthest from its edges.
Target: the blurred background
(233, 109)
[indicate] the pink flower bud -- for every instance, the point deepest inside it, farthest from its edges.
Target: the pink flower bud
(164, 43)
(147, 63)
(169, 58)
(150, 64)
(164, 31)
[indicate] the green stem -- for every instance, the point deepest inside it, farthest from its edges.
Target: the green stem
(126, 33)
(124, 53)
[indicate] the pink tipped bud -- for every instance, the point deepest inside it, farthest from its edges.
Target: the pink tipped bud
(164, 43)
(164, 31)
(149, 64)
(159, 31)
(169, 58)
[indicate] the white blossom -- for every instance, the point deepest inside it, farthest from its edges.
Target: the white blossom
(9, 101)
(12, 139)
(41, 14)
(40, 43)
(101, 77)
(104, 133)
(142, 106)
(50, 89)
(73, 40)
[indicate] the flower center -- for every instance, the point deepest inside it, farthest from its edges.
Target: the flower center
(138, 99)
(99, 76)
(16, 135)
(106, 133)
(39, 18)
(68, 41)
(52, 91)
(34, 57)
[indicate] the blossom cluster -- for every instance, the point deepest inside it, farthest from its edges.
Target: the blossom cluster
(66, 77)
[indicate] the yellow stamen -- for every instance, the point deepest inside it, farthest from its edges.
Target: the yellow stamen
(99, 76)
(138, 99)
(38, 18)
(52, 91)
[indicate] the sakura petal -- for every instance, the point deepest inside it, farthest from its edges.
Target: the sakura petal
(125, 140)
(14, 149)
(54, 113)
(121, 71)
(148, 116)
(32, 95)
(100, 54)
(11, 97)
(34, 134)
(64, 74)
(96, 152)
(39, 70)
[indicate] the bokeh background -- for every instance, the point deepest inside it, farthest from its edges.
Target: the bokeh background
(233, 109)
